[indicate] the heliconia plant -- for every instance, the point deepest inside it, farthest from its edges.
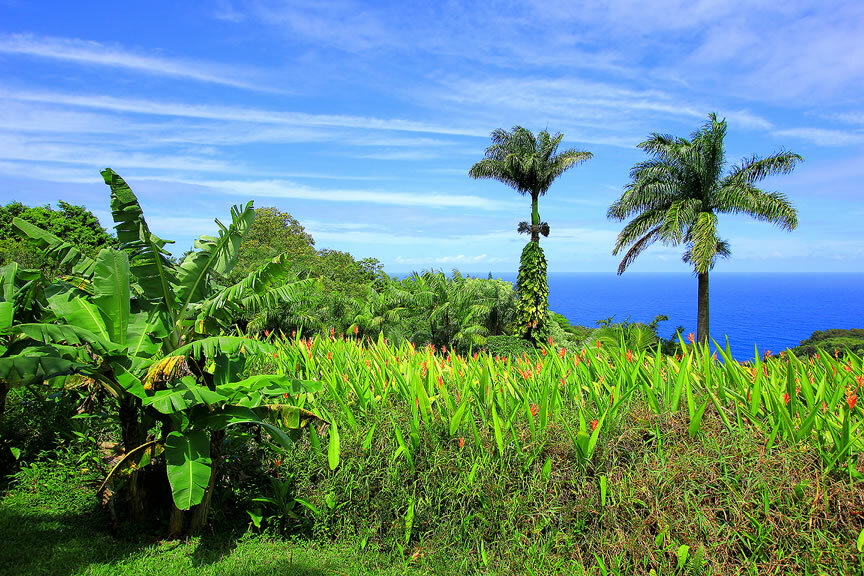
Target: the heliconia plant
(480, 396)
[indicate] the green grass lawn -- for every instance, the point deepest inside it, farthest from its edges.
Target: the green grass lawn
(50, 524)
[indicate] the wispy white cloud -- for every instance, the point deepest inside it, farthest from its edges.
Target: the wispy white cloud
(87, 52)
(15, 147)
(449, 260)
(284, 189)
(234, 113)
(822, 136)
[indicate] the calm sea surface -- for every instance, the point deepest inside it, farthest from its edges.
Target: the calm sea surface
(771, 311)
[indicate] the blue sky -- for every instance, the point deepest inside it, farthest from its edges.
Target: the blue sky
(362, 119)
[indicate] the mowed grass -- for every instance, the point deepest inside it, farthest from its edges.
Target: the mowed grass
(51, 524)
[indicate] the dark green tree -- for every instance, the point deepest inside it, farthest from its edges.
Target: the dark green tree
(71, 223)
(676, 195)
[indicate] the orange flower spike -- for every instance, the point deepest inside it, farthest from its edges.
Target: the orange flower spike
(629, 356)
(461, 443)
(562, 352)
(534, 409)
(598, 344)
(594, 424)
(691, 338)
(786, 398)
(851, 399)
(544, 351)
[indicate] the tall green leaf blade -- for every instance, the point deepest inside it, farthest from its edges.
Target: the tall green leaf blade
(7, 310)
(111, 292)
(187, 457)
(150, 264)
(73, 306)
(333, 448)
(212, 255)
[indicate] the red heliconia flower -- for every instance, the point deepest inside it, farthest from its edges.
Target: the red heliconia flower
(329, 356)
(594, 424)
(562, 352)
(440, 381)
(418, 402)
(293, 333)
(612, 399)
(847, 368)
(629, 356)
(476, 356)
(691, 338)
(544, 351)
(851, 399)
(563, 382)
(534, 410)
(786, 398)
(266, 333)
(461, 443)
(859, 380)
(443, 349)
(332, 332)
(598, 344)
(550, 341)
(356, 330)
(286, 395)
(275, 354)
(824, 407)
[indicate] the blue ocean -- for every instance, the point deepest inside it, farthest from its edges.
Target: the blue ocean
(768, 311)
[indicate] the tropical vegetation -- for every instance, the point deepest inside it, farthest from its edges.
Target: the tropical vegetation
(279, 407)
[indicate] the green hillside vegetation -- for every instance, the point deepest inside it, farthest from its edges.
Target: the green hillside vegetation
(834, 341)
(259, 405)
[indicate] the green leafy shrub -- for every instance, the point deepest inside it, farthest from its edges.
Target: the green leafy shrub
(532, 289)
(505, 345)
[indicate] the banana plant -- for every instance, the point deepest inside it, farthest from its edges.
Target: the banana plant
(158, 336)
(24, 361)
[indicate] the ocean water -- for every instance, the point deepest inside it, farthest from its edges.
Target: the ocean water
(768, 311)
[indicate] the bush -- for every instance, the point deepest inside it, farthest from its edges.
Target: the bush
(512, 346)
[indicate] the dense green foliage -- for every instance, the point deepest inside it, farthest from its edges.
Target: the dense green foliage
(150, 333)
(533, 290)
(675, 197)
(834, 341)
(73, 224)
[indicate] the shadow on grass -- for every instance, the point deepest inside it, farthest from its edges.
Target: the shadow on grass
(37, 542)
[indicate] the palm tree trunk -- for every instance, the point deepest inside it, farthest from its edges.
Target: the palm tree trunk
(535, 220)
(702, 313)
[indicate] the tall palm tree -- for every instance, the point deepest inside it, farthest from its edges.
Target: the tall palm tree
(528, 164)
(675, 196)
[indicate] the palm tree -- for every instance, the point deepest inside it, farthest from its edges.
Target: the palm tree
(529, 165)
(675, 196)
